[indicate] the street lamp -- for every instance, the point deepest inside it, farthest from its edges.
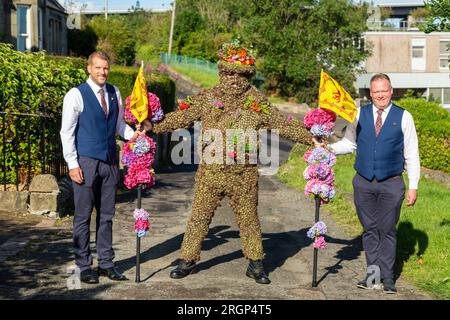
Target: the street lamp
(172, 22)
(106, 9)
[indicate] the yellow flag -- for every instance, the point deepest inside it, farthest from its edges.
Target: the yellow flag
(333, 97)
(139, 99)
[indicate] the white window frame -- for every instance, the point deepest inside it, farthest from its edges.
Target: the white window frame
(26, 35)
(443, 55)
(419, 64)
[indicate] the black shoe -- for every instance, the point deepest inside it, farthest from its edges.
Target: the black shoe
(255, 271)
(389, 286)
(89, 276)
(183, 269)
(112, 274)
(363, 284)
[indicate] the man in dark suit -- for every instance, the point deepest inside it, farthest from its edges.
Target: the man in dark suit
(385, 140)
(92, 116)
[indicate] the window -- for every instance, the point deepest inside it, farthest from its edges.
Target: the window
(418, 54)
(40, 31)
(444, 54)
(441, 95)
(435, 94)
(23, 28)
(446, 96)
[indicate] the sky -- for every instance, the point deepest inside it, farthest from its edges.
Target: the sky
(165, 4)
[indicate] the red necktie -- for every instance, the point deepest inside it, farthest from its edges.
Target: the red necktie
(103, 101)
(378, 123)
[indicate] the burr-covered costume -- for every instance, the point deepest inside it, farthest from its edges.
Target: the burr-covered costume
(232, 104)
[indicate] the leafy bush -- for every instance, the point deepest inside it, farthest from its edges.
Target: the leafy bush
(115, 38)
(26, 80)
(433, 130)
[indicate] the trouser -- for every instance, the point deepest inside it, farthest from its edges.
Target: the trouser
(211, 186)
(378, 205)
(99, 190)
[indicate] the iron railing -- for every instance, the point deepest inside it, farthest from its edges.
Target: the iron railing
(29, 145)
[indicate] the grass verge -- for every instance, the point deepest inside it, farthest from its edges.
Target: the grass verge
(423, 254)
(204, 79)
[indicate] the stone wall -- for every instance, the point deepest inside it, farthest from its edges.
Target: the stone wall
(45, 196)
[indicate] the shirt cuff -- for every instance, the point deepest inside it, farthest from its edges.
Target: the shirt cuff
(73, 164)
(413, 184)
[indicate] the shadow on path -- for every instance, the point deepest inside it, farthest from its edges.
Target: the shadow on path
(350, 252)
(278, 246)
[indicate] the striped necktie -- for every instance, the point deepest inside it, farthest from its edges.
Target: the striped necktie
(378, 123)
(103, 101)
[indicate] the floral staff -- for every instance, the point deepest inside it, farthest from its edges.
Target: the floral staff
(319, 174)
(139, 155)
(333, 100)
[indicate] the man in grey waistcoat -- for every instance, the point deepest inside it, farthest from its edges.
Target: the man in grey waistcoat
(92, 116)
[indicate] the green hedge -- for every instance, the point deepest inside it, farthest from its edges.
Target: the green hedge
(433, 129)
(159, 84)
(26, 79)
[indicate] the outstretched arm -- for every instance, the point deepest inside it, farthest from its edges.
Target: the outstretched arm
(291, 129)
(180, 118)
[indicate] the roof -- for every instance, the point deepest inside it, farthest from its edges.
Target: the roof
(55, 5)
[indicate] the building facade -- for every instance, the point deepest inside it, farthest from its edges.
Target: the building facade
(416, 62)
(34, 25)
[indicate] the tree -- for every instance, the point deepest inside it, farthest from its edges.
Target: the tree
(115, 38)
(296, 39)
(438, 18)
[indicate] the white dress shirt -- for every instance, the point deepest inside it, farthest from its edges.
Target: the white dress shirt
(411, 146)
(72, 107)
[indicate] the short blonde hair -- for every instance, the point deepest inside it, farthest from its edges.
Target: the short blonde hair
(380, 76)
(99, 54)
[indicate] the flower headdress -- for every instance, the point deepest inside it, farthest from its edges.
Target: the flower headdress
(236, 54)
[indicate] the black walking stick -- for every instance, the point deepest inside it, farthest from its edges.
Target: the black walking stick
(314, 281)
(138, 240)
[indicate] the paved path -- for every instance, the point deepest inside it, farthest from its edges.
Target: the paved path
(39, 271)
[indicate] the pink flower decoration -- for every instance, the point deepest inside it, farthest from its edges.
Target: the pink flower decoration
(232, 154)
(139, 169)
(290, 117)
(153, 105)
(319, 243)
(141, 225)
(319, 116)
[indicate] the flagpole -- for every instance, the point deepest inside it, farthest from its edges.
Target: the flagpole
(314, 281)
(138, 240)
